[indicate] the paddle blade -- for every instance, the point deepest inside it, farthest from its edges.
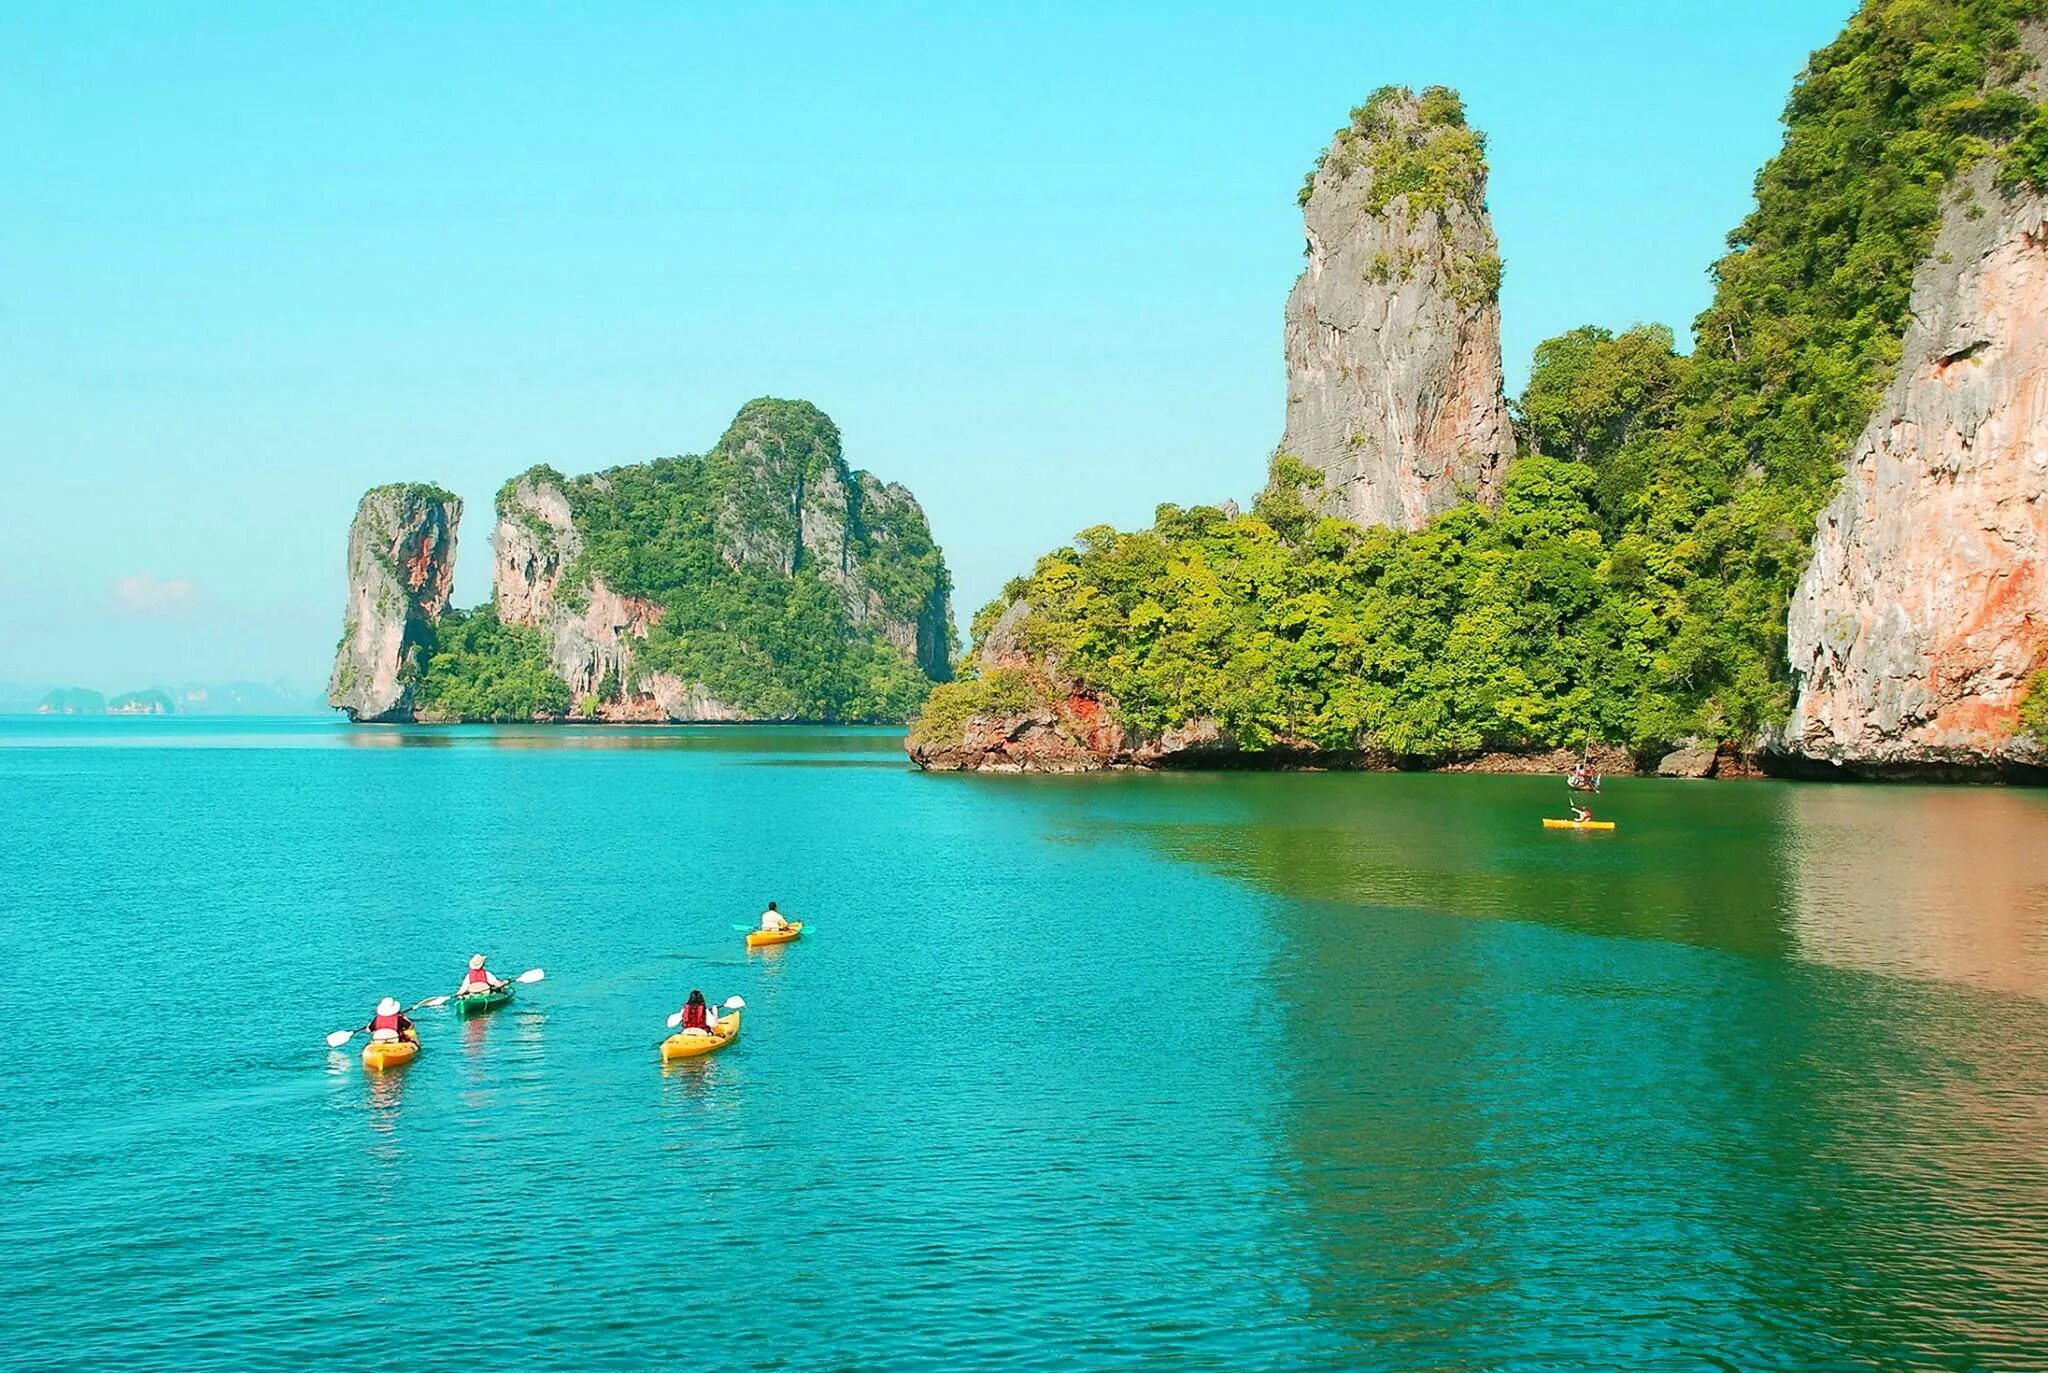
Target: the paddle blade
(675, 1020)
(531, 975)
(431, 1003)
(746, 929)
(733, 1003)
(339, 1038)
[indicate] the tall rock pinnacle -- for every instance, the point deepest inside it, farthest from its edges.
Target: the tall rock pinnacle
(401, 567)
(1393, 329)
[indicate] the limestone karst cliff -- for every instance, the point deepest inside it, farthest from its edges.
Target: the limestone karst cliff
(1393, 328)
(1924, 613)
(763, 580)
(401, 567)
(1847, 460)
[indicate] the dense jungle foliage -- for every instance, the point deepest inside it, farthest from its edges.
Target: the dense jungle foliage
(1632, 586)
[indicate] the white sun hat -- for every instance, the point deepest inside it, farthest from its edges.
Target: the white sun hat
(387, 1006)
(476, 960)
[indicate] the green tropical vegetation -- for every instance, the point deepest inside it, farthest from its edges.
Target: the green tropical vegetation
(715, 542)
(2034, 710)
(1433, 158)
(479, 668)
(1420, 148)
(1632, 586)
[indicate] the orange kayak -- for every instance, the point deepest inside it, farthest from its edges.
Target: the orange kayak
(765, 939)
(684, 1045)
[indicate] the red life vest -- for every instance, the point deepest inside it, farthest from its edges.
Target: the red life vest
(476, 976)
(696, 1016)
(386, 1022)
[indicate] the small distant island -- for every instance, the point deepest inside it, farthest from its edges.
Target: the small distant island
(85, 701)
(764, 580)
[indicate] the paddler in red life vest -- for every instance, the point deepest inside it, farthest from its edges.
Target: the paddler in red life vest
(390, 1023)
(698, 1017)
(1580, 813)
(478, 979)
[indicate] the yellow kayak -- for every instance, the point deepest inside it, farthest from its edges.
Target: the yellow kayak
(685, 1045)
(380, 1054)
(764, 939)
(1578, 824)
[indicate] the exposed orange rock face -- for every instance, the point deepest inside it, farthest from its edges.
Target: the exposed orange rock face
(401, 568)
(1924, 613)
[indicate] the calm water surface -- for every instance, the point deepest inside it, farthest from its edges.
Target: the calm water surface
(1214, 1071)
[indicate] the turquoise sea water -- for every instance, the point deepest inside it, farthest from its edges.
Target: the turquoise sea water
(1189, 1071)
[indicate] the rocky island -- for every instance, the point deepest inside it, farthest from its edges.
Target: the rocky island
(1813, 543)
(763, 580)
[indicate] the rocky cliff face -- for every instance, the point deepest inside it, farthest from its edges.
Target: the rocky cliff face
(401, 567)
(792, 502)
(773, 499)
(589, 628)
(1925, 609)
(1393, 329)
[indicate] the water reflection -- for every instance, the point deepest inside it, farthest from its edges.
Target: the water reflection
(1695, 865)
(1641, 1152)
(1923, 882)
(768, 744)
(1797, 1118)
(386, 1091)
(1936, 883)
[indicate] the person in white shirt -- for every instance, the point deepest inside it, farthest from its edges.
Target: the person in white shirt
(771, 919)
(478, 979)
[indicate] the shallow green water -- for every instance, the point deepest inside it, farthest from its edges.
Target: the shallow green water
(1318, 1071)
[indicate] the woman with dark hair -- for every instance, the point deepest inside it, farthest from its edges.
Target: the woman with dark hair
(698, 1017)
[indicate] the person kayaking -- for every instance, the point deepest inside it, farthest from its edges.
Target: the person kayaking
(772, 919)
(479, 979)
(390, 1023)
(698, 1017)
(1580, 813)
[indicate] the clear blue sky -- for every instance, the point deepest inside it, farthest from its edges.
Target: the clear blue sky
(255, 258)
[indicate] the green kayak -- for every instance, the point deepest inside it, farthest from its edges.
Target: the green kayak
(481, 1002)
